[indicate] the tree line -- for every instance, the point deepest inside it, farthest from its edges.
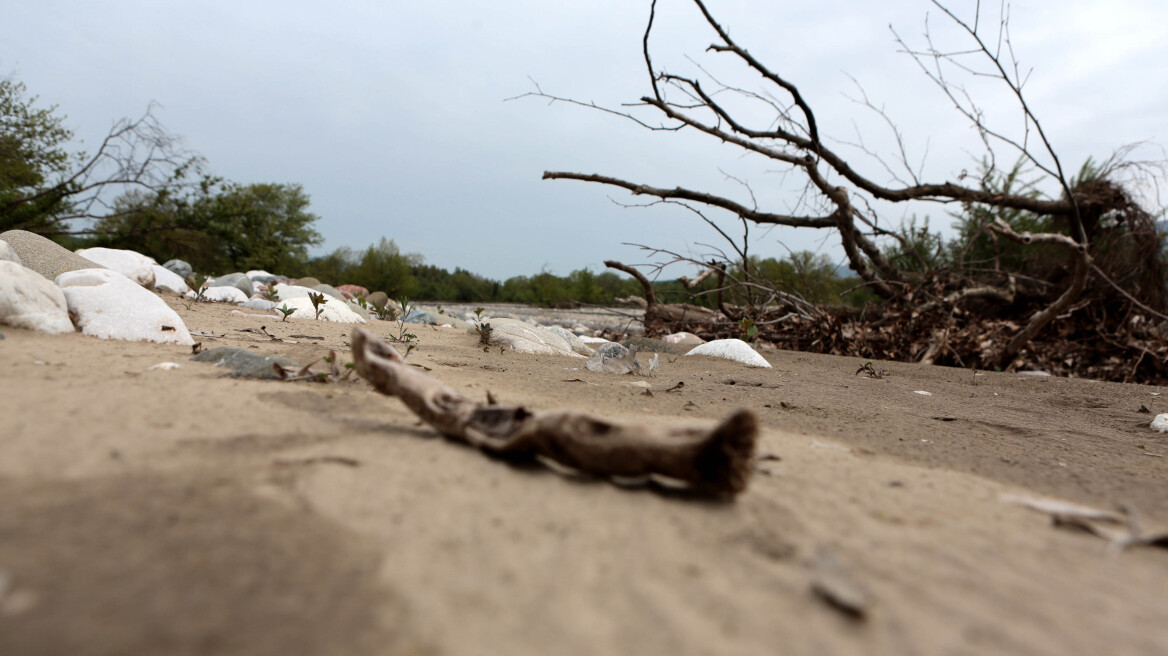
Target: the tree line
(143, 191)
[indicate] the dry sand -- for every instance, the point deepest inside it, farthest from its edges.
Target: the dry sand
(183, 512)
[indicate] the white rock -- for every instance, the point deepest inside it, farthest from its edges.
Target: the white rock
(731, 349)
(1160, 423)
(29, 300)
(106, 304)
(285, 292)
(166, 279)
(131, 264)
(522, 338)
(573, 341)
(7, 254)
(224, 295)
(334, 310)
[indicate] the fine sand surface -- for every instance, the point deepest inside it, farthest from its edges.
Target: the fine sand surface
(183, 512)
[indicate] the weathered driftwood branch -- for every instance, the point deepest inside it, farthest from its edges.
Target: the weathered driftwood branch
(658, 314)
(709, 460)
(1047, 314)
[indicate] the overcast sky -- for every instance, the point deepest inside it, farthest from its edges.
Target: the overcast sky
(393, 116)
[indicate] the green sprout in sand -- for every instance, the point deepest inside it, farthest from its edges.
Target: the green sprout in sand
(317, 302)
(286, 311)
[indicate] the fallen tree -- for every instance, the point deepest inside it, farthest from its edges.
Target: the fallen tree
(1054, 258)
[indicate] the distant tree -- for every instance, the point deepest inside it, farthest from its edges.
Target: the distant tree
(263, 226)
(44, 187)
(385, 268)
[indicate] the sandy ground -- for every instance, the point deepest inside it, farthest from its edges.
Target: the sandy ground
(184, 512)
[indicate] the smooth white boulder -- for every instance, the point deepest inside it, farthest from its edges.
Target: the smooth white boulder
(166, 279)
(106, 304)
(131, 264)
(731, 349)
(225, 295)
(29, 300)
(7, 253)
(285, 292)
(522, 338)
(334, 310)
(573, 341)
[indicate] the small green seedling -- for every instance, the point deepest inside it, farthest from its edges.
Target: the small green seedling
(749, 329)
(317, 303)
(402, 335)
(483, 329)
(286, 311)
(270, 294)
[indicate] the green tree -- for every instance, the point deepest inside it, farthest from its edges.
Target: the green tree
(385, 268)
(32, 155)
(44, 187)
(217, 227)
(262, 226)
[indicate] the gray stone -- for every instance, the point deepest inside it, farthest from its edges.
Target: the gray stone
(7, 254)
(330, 290)
(244, 363)
(418, 316)
(308, 282)
(179, 267)
(45, 256)
(377, 299)
(625, 363)
(237, 280)
(612, 350)
(650, 345)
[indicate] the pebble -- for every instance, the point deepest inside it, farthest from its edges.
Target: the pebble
(731, 349)
(131, 264)
(108, 305)
(45, 256)
(29, 300)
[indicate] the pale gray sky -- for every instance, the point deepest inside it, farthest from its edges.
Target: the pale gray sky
(392, 115)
